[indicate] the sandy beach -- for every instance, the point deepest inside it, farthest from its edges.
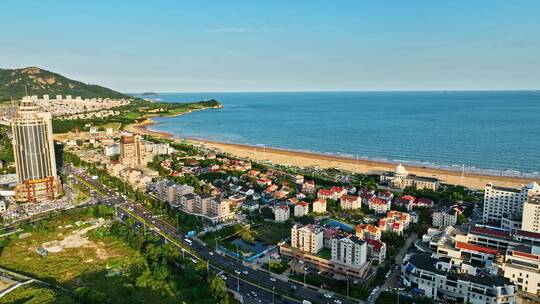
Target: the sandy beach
(305, 159)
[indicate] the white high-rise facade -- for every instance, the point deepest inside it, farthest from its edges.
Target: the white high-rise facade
(33, 149)
(307, 238)
(531, 214)
(502, 202)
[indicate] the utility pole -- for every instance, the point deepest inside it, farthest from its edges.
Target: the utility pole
(347, 282)
(273, 294)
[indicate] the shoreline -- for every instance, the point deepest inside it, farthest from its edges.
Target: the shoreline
(471, 180)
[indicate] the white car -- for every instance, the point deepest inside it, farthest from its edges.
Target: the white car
(327, 295)
(337, 301)
(245, 272)
(273, 279)
(210, 253)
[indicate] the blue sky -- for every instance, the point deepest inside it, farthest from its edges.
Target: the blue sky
(297, 45)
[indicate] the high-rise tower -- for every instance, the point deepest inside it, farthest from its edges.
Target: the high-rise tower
(34, 154)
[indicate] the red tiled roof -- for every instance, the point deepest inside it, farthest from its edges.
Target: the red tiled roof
(336, 189)
(467, 246)
(303, 204)
(325, 192)
(529, 234)
(408, 197)
(526, 255)
(378, 201)
(377, 245)
(423, 201)
(347, 197)
(396, 225)
(495, 233)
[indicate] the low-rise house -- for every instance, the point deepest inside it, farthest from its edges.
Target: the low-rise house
(299, 179)
(423, 202)
(264, 182)
(395, 221)
(406, 202)
(366, 195)
(376, 250)
(368, 231)
(308, 186)
(319, 206)
(379, 205)
(350, 202)
(250, 205)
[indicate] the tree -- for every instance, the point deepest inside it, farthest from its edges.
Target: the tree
(267, 213)
(219, 289)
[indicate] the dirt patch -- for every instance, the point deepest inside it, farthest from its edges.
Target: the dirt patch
(24, 235)
(76, 239)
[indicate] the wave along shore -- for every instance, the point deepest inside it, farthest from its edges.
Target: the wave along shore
(304, 159)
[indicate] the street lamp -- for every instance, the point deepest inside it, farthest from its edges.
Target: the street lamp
(273, 294)
(305, 272)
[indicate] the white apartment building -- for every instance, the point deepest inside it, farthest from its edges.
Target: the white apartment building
(443, 218)
(349, 250)
(522, 267)
(531, 214)
(319, 206)
(350, 202)
(301, 209)
(281, 213)
(379, 205)
(501, 202)
(433, 277)
(111, 150)
(307, 238)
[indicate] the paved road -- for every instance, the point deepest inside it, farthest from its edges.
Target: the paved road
(255, 286)
(393, 280)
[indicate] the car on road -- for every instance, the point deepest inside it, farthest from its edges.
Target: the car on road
(210, 253)
(273, 279)
(327, 295)
(337, 301)
(245, 272)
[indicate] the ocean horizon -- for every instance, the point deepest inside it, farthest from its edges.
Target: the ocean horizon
(493, 132)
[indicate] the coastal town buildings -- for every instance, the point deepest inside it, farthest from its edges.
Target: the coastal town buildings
(133, 151)
(307, 238)
(308, 186)
(439, 279)
(33, 149)
(400, 179)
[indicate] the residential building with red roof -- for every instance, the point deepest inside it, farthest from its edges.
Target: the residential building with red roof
(423, 202)
(405, 201)
(368, 231)
(365, 195)
(301, 209)
(319, 206)
(395, 221)
(264, 182)
(376, 250)
(379, 205)
(350, 202)
(281, 213)
(325, 194)
(308, 186)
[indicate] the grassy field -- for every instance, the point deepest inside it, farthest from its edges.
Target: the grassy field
(93, 260)
(36, 294)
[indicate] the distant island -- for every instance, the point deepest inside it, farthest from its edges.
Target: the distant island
(149, 94)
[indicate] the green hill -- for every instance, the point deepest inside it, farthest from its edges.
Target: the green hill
(40, 82)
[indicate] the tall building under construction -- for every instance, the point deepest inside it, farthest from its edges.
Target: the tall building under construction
(34, 154)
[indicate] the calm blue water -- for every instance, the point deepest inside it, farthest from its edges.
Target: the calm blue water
(486, 131)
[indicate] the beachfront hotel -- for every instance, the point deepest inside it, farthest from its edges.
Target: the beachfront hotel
(33, 149)
(400, 179)
(502, 202)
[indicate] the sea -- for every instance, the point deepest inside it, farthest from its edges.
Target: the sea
(493, 132)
